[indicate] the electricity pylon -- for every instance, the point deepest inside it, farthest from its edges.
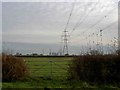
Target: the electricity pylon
(65, 42)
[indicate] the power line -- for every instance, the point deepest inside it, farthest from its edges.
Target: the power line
(65, 33)
(105, 28)
(101, 19)
(97, 32)
(78, 24)
(69, 16)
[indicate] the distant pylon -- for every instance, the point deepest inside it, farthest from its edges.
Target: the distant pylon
(119, 44)
(65, 42)
(101, 40)
(97, 43)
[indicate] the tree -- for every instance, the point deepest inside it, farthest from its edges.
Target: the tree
(95, 52)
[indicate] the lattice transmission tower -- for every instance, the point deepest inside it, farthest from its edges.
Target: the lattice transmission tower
(65, 38)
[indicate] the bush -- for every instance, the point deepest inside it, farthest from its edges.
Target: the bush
(13, 68)
(95, 68)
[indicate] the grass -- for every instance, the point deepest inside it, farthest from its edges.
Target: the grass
(47, 72)
(56, 83)
(41, 76)
(48, 67)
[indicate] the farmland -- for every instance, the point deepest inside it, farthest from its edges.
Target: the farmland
(46, 71)
(50, 72)
(48, 67)
(49, 45)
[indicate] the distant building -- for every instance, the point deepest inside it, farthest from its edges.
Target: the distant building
(55, 53)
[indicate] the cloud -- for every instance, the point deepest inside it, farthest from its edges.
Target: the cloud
(43, 22)
(30, 36)
(0, 27)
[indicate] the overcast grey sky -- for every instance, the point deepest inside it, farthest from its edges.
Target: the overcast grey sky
(34, 26)
(0, 27)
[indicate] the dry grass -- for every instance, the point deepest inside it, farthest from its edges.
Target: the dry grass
(0, 67)
(13, 68)
(96, 68)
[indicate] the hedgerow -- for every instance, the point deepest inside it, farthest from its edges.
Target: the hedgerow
(13, 68)
(95, 68)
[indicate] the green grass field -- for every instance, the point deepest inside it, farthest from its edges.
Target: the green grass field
(50, 73)
(47, 72)
(48, 67)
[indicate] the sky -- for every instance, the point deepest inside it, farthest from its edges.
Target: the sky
(0, 27)
(36, 27)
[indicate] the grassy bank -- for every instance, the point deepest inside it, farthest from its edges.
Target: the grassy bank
(41, 77)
